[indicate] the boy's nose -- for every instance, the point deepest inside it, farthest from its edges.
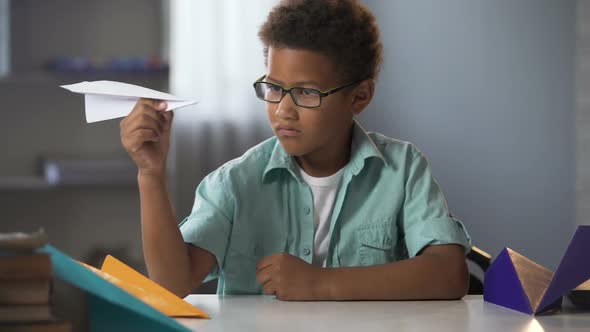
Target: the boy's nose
(287, 109)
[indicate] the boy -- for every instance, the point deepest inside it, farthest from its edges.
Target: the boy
(321, 211)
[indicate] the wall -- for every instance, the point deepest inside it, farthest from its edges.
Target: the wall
(485, 89)
(583, 113)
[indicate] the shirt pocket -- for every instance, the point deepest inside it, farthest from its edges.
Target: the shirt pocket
(376, 244)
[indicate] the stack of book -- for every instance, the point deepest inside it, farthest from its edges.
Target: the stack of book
(25, 285)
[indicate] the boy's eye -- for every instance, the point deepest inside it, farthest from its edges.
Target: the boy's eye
(307, 92)
(274, 88)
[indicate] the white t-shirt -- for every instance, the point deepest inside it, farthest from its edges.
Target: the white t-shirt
(324, 195)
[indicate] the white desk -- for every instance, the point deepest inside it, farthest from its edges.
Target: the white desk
(263, 313)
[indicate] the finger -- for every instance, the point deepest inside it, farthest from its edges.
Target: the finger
(168, 116)
(122, 126)
(140, 106)
(263, 276)
(143, 134)
(135, 141)
(269, 289)
(156, 104)
(265, 262)
(145, 121)
(281, 296)
(158, 117)
(145, 106)
(149, 111)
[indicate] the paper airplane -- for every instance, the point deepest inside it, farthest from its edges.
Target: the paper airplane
(105, 100)
(518, 283)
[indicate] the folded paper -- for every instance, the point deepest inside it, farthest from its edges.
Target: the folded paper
(518, 283)
(147, 290)
(105, 100)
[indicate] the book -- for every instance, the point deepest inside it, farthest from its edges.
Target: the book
(24, 291)
(27, 266)
(111, 307)
(516, 282)
(147, 290)
(152, 294)
(18, 241)
(24, 313)
(25, 284)
(18, 259)
(47, 326)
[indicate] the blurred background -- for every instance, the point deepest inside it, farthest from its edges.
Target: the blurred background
(495, 93)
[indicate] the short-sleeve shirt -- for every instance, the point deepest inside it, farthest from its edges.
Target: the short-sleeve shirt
(388, 208)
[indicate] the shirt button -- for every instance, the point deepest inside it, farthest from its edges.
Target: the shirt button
(306, 251)
(307, 210)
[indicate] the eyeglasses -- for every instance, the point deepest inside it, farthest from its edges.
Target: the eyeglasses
(304, 97)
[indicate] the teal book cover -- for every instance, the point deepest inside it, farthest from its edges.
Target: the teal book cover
(111, 308)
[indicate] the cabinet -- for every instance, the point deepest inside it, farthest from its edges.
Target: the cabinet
(40, 120)
(52, 43)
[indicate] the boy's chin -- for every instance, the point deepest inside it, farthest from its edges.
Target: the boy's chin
(294, 149)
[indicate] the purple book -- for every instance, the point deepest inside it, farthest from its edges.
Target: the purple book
(518, 283)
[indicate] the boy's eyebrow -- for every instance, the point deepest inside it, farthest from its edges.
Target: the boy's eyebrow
(295, 83)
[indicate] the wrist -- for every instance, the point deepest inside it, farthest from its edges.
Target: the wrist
(158, 172)
(151, 176)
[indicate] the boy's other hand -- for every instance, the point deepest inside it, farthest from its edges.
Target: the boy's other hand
(145, 135)
(288, 277)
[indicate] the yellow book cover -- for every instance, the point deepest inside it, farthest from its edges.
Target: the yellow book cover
(145, 289)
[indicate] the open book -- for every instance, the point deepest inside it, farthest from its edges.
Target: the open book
(145, 289)
(120, 298)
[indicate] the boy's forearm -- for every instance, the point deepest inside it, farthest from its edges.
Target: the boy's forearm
(428, 276)
(165, 253)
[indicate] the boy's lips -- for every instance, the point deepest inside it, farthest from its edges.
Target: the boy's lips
(287, 131)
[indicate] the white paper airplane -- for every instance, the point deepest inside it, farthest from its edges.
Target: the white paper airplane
(106, 100)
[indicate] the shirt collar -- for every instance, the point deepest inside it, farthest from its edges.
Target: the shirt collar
(363, 148)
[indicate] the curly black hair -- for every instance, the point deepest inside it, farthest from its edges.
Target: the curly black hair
(344, 30)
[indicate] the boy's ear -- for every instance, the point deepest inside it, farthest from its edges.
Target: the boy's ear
(362, 95)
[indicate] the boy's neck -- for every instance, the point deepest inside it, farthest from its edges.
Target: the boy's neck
(328, 160)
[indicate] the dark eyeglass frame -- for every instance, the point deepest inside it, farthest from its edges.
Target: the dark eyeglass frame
(322, 94)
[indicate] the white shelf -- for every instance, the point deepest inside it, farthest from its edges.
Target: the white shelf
(23, 182)
(12, 183)
(54, 77)
(76, 173)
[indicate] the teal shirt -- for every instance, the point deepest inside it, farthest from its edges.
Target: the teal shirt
(388, 208)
